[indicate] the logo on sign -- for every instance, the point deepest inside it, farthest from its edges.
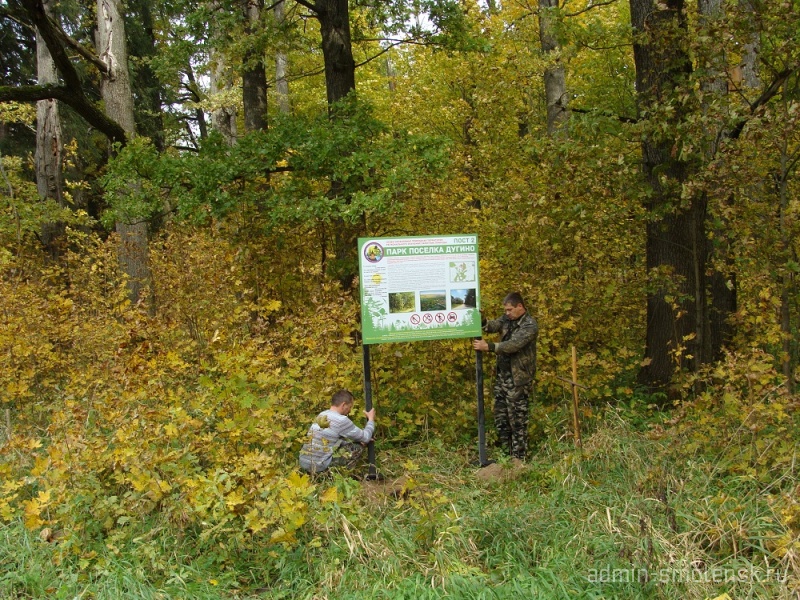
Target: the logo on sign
(373, 252)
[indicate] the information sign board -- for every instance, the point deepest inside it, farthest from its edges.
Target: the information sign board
(419, 288)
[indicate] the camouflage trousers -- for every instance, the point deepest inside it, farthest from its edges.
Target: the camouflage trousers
(511, 414)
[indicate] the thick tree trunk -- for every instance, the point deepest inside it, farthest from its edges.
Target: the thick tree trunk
(340, 80)
(750, 50)
(555, 81)
(49, 178)
(675, 249)
(223, 117)
(111, 47)
(281, 65)
(142, 44)
(715, 330)
(118, 98)
(254, 75)
(675, 245)
(337, 50)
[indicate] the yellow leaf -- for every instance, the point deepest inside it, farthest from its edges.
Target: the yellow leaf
(299, 482)
(273, 306)
(234, 499)
(34, 508)
(281, 535)
(330, 495)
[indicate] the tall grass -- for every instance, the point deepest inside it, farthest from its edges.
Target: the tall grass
(624, 520)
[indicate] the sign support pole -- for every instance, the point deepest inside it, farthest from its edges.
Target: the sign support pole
(372, 474)
(481, 417)
(575, 420)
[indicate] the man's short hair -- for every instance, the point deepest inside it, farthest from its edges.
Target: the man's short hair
(342, 397)
(514, 299)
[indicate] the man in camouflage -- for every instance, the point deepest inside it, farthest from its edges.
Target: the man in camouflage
(516, 370)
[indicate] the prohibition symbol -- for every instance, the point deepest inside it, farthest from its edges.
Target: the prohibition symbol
(427, 317)
(452, 317)
(414, 319)
(439, 318)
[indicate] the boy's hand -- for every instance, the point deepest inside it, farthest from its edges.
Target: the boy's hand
(370, 414)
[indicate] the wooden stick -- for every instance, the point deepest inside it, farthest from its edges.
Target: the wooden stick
(575, 420)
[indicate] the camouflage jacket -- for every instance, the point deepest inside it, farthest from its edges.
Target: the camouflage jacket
(520, 347)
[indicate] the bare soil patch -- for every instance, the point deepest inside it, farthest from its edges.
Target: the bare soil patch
(498, 473)
(382, 491)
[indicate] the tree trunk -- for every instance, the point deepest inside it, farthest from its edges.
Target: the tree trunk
(223, 118)
(337, 50)
(142, 44)
(254, 75)
(112, 50)
(199, 113)
(750, 50)
(675, 234)
(391, 77)
(714, 328)
(281, 64)
(555, 82)
(117, 96)
(787, 285)
(340, 80)
(49, 178)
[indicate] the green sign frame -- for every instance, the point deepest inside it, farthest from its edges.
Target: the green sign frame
(419, 288)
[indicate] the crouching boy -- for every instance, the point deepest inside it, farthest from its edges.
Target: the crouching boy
(333, 439)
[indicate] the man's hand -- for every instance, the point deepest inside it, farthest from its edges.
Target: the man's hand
(480, 345)
(370, 414)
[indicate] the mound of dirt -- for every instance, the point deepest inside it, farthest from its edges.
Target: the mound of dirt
(497, 472)
(381, 491)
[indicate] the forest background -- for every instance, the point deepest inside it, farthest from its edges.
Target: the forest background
(183, 183)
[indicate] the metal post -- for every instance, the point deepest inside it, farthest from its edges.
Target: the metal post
(372, 474)
(575, 419)
(481, 417)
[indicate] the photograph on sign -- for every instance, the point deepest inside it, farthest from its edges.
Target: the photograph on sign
(419, 288)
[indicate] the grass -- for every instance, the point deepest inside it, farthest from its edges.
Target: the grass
(625, 520)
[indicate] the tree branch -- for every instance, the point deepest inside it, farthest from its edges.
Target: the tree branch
(87, 54)
(11, 16)
(620, 118)
(50, 34)
(71, 92)
(591, 6)
(309, 5)
(31, 93)
(385, 50)
(768, 94)
(76, 100)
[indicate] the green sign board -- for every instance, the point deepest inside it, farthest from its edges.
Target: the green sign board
(419, 288)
